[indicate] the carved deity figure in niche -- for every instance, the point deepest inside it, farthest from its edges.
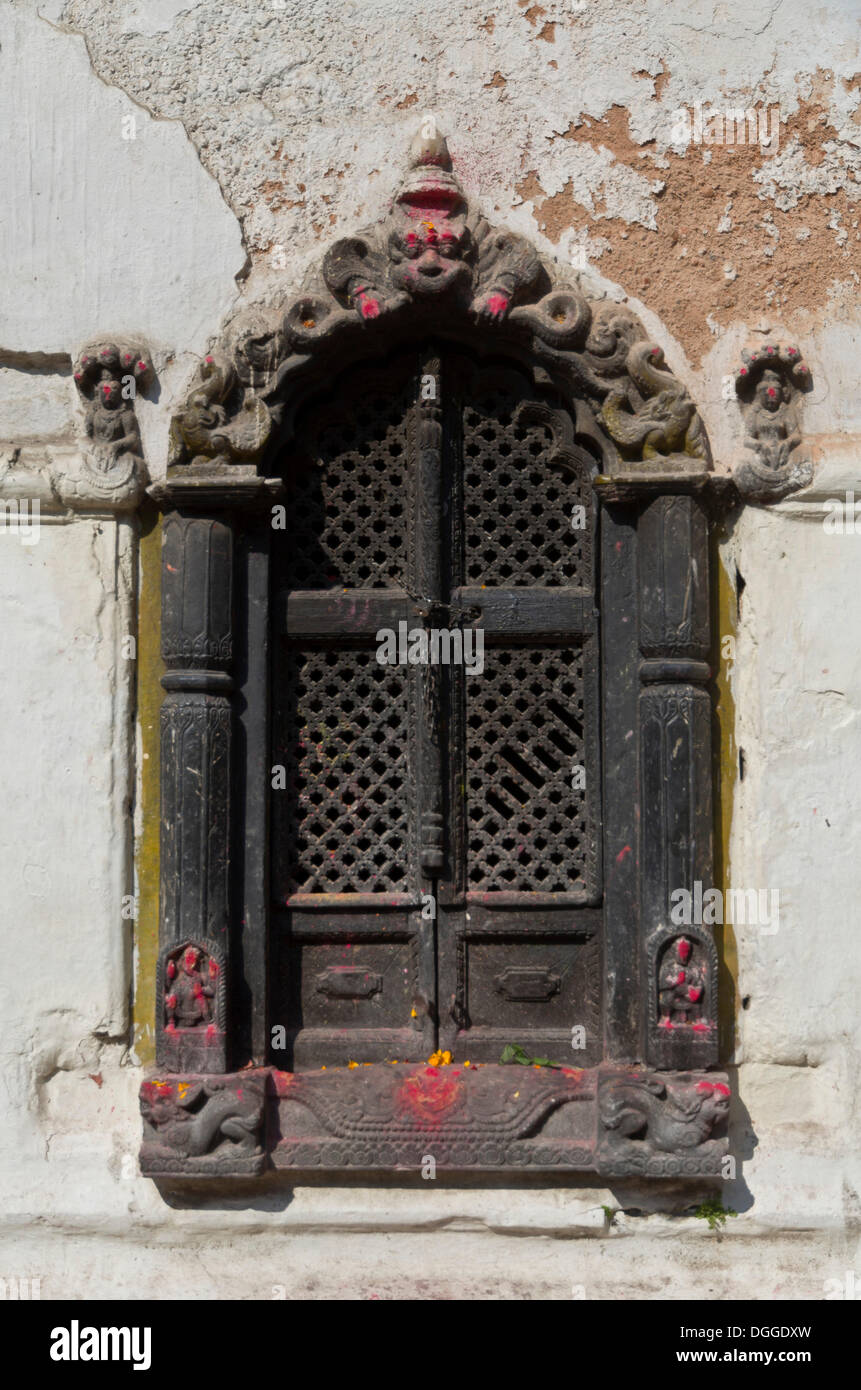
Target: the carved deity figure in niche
(107, 377)
(772, 422)
(681, 986)
(190, 989)
(770, 385)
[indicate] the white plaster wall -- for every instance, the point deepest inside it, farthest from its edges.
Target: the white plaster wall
(263, 127)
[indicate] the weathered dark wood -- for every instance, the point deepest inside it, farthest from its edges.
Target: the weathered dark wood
(196, 737)
(622, 1017)
(332, 613)
(251, 818)
(462, 858)
(680, 967)
(512, 614)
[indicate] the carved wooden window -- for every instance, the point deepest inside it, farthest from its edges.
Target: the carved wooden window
(368, 862)
(436, 851)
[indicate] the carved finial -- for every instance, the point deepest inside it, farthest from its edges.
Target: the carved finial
(430, 181)
(430, 147)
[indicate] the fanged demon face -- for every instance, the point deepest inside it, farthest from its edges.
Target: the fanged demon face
(428, 256)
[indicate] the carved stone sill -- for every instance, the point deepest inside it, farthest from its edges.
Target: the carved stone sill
(676, 474)
(210, 483)
(613, 1122)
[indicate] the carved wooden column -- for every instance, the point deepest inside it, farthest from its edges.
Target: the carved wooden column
(679, 959)
(197, 646)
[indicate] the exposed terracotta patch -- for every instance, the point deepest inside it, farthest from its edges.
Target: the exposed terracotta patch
(769, 262)
(497, 80)
(548, 33)
(489, 24)
(534, 13)
(407, 101)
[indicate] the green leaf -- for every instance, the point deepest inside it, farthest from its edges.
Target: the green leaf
(513, 1052)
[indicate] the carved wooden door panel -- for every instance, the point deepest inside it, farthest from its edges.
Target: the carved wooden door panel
(435, 831)
(520, 917)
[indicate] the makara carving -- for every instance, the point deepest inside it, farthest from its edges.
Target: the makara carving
(770, 384)
(644, 1118)
(203, 1125)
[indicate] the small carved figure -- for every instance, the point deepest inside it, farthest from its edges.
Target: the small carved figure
(204, 427)
(664, 421)
(203, 1118)
(681, 986)
(769, 386)
(191, 987)
(664, 1116)
(107, 378)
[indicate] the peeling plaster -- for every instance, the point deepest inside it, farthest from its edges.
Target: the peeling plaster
(104, 234)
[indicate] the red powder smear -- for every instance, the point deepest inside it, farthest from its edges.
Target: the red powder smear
(497, 304)
(665, 1023)
(369, 307)
(622, 852)
(694, 993)
(428, 1096)
(153, 1089)
(575, 1072)
(213, 967)
(210, 1032)
(282, 1080)
(701, 1027)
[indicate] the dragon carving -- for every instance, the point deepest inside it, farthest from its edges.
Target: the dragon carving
(661, 418)
(203, 1117)
(662, 1116)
